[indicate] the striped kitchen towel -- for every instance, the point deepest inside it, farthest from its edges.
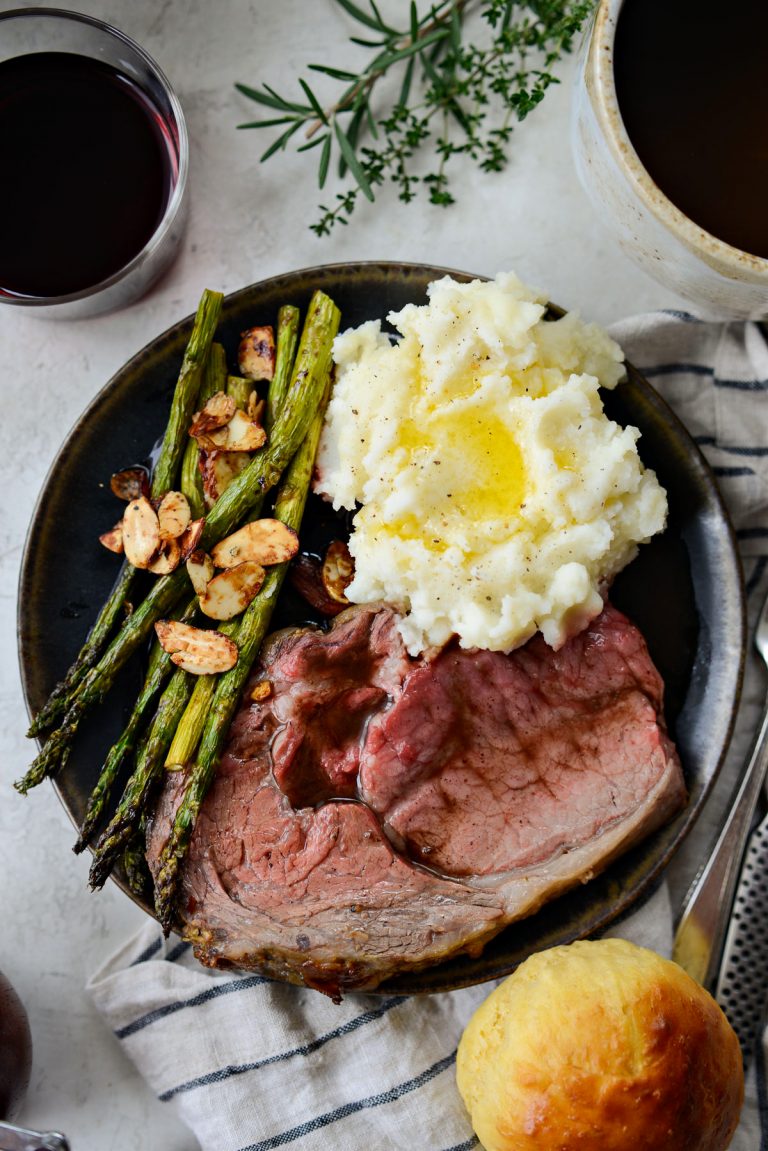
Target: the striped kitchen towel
(251, 1064)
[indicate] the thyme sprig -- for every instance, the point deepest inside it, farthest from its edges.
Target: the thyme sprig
(462, 96)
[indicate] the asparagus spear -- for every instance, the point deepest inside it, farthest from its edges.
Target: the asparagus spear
(187, 389)
(99, 679)
(174, 442)
(287, 334)
(123, 824)
(289, 507)
(159, 669)
(135, 864)
(214, 377)
(240, 390)
(308, 381)
(190, 728)
(308, 378)
(56, 704)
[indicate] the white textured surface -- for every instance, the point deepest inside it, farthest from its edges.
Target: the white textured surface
(247, 223)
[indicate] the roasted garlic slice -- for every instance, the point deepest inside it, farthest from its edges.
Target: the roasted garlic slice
(113, 539)
(338, 571)
(256, 353)
(217, 412)
(130, 483)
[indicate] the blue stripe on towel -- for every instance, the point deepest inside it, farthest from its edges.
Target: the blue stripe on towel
(347, 1109)
(228, 988)
(676, 314)
(732, 473)
(677, 370)
(734, 449)
(148, 952)
(467, 1145)
(757, 575)
(742, 385)
(223, 1073)
(176, 952)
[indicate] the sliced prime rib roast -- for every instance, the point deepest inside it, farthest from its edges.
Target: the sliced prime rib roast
(378, 813)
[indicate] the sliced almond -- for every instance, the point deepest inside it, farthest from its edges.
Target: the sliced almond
(306, 576)
(218, 470)
(141, 532)
(191, 537)
(217, 412)
(167, 559)
(241, 434)
(196, 650)
(229, 594)
(262, 690)
(113, 539)
(256, 353)
(130, 483)
(173, 515)
(338, 571)
(265, 541)
(200, 570)
(256, 407)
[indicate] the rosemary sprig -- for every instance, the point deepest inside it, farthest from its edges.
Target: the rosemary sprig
(461, 74)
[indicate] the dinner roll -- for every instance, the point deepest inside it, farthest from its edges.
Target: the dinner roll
(601, 1046)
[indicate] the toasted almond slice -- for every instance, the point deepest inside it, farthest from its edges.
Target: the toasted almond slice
(262, 690)
(167, 559)
(196, 650)
(200, 570)
(130, 483)
(338, 570)
(113, 539)
(229, 593)
(173, 515)
(256, 353)
(306, 575)
(240, 435)
(191, 537)
(141, 532)
(217, 412)
(265, 541)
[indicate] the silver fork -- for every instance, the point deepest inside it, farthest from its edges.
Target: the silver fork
(14, 1138)
(703, 925)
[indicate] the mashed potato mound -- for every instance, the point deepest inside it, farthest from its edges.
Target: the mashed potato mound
(497, 498)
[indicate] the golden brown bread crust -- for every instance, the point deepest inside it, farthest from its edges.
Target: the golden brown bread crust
(601, 1046)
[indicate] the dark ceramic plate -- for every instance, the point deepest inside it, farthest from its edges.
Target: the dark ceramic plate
(684, 590)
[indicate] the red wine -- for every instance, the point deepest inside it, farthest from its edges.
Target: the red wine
(88, 171)
(692, 85)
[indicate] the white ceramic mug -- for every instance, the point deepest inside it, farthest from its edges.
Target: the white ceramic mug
(721, 280)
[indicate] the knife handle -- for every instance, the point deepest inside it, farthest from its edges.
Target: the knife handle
(742, 986)
(700, 935)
